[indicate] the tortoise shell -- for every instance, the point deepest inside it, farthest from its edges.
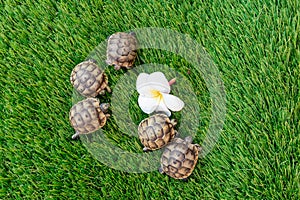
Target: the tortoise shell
(88, 116)
(179, 158)
(156, 131)
(121, 50)
(88, 79)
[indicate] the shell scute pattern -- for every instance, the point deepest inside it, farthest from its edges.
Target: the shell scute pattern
(121, 50)
(179, 158)
(156, 131)
(87, 116)
(88, 79)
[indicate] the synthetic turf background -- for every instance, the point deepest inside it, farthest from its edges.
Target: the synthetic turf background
(255, 45)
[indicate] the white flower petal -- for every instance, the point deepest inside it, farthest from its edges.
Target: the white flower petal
(163, 108)
(159, 81)
(154, 92)
(173, 102)
(156, 81)
(145, 90)
(148, 105)
(141, 80)
(142, 85)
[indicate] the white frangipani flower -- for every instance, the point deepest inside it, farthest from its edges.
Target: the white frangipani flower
(154, 95)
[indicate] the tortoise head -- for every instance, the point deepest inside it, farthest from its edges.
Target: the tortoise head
(188, 139)
(104, 107)
(132, 33)
(92, 60)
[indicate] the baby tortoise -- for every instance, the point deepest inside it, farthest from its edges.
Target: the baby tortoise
(156, 131)
(179, 158)
(88, 79)
(121, 50)
(88, 116)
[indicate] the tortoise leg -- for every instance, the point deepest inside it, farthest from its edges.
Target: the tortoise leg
(75, 136)
(117, 67)
(108, 89)
(132, 33)
(102, 92)
(107, 116)
(161, 170)
(87, 137)
(146, 149)
(128, 67)
(173, 122)
(92, 60)
(199, 148)
(185, 179)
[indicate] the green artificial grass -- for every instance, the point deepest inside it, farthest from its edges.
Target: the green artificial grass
(255, 46)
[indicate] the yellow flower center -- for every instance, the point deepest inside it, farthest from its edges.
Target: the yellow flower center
(156, 94)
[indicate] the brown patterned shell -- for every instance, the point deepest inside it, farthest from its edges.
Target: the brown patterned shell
(88, 79)
(121, 50)
(86, 116)
(156, 131)
(179, 158)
